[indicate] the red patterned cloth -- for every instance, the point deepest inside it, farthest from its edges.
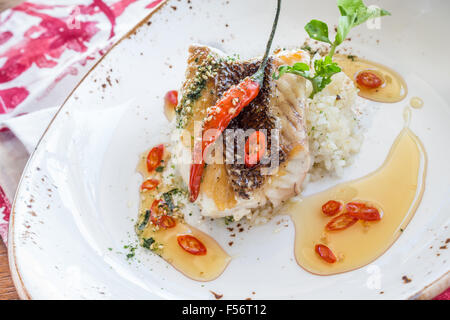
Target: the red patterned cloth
(5, 209)
(45, 49)
(444, 296)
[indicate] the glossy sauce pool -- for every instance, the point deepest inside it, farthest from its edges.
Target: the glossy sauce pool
(394, 88)
(201, 268)
(396, 188)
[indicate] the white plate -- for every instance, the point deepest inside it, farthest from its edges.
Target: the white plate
(79, 192)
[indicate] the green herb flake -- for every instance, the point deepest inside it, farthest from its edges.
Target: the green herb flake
(229, 219)
(168, 198)
(147, 243)
(145, 221)
(132, 252)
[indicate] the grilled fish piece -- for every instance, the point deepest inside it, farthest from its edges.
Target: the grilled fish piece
(279, 109)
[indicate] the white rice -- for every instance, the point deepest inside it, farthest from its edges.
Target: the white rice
(333, 128)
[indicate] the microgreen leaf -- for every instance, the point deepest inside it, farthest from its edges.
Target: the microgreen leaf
(354, 13)
(318, 30)
(359, 10)
(344, 26)
(300, 69)
(350, 7)
(300, 66)
(324, 70)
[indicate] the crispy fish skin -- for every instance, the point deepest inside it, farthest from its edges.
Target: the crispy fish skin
(257, 115)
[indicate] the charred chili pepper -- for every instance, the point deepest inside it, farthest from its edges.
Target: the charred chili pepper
(227, 108)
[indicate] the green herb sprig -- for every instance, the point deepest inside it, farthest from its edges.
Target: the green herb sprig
(353, 13)
(324, 69)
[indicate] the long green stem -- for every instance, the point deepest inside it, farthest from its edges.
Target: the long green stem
(259, 75)
(332, 50)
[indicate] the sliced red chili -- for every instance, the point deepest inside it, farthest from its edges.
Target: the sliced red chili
(354, 206)
(154, 157)
(171, 98)
(167, 222)
(255, 148)
(325, 253)
(149, 184)
(332, 207)
(192, 245)
(369, 80)
(341, 222)
(156, 211)
(159, 217)
(362, 211)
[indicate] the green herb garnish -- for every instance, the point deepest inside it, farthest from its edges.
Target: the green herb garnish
(145, 221)
(132, 251)
(353, 13)
(229, 219)
(324, 69)
(168, 198)
(159, 169)
(147, 243)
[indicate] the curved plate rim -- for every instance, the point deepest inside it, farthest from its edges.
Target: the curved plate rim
(427, 292)
(21, 288)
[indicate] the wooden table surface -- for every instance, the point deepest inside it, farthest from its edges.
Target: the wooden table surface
(7, 289)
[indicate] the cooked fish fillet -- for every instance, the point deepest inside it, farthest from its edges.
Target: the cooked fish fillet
(232, 188)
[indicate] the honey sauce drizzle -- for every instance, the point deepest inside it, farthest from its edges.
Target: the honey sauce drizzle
(394, 88)
(396, 187)
(197, 267)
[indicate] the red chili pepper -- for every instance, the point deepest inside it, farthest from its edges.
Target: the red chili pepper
(155, 211)
(159, 217)
(154, 157)
(332, 207)
(191, 244)
(341, 222)
(354, 206)
(227, 108)
(167, 222)
(171, 98)
(325, 253)
(369, 80)
(362, 211)
(149, 184)
(255, 147)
